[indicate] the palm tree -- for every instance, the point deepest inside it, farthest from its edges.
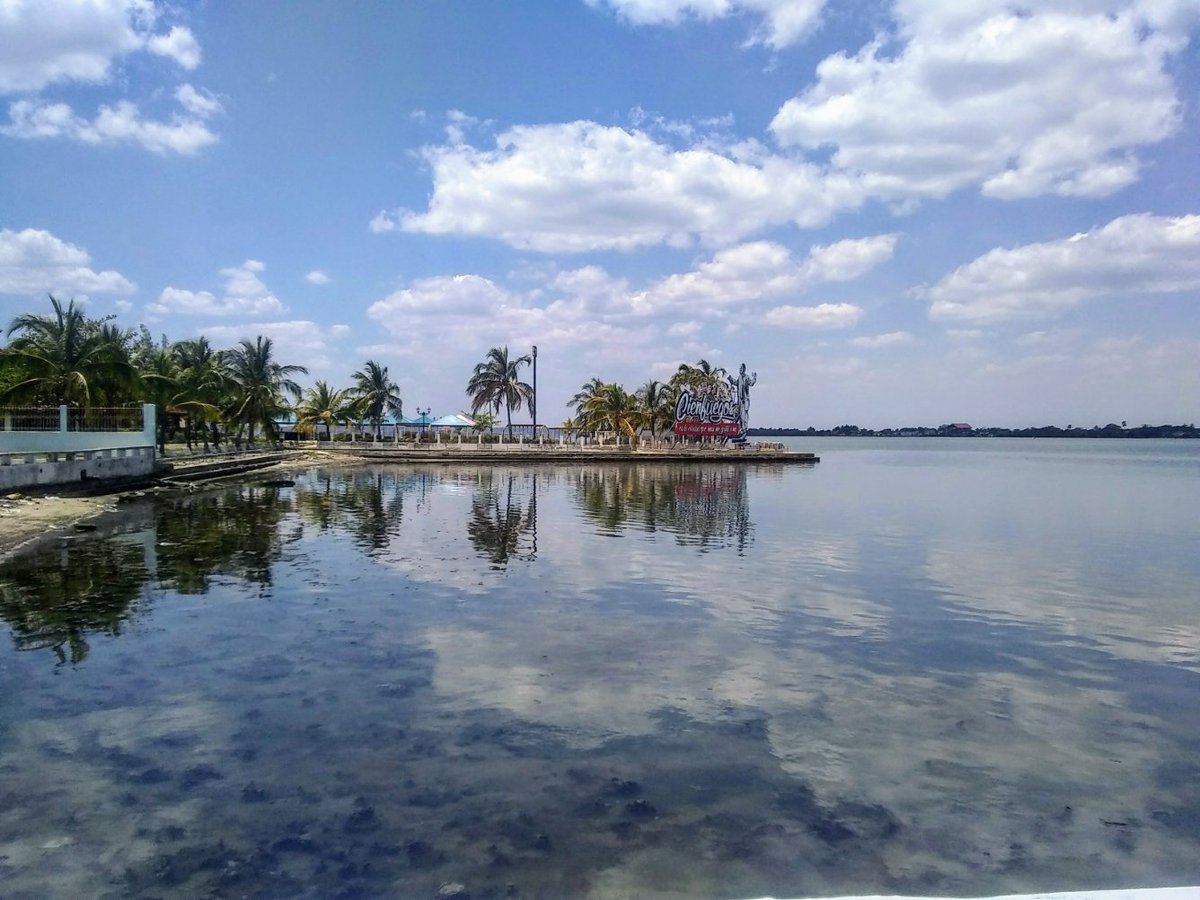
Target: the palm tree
(658, 404)
(204, 378)
(612, 408)
(376, 393)
(260, 386)
(323, 404)
(699, 374)
(589, 390)
(160, 374)
(68, 358)
(496, 381)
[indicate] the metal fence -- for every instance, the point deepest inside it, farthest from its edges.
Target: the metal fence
(30, 418)
(65, 418)
(106, 418)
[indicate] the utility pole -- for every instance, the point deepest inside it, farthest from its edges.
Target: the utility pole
(533, 402)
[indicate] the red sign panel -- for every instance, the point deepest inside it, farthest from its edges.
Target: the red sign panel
(693, 428)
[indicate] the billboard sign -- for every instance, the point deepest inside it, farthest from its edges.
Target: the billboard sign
(715, 409)
(706, 410)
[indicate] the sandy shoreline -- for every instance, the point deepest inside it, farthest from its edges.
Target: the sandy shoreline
(24, 520)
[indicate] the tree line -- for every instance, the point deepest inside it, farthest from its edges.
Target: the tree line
(212, 397)
(207, 396)
(607, 407)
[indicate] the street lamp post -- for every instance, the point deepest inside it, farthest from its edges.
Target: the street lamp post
(533, 401)
(423, 414)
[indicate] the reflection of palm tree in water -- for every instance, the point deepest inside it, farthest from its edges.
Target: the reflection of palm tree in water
(233, 532)
(498, 524)
(53, 601)
(368, 505)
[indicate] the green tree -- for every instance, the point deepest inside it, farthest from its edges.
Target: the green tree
(701, 373)
(376, 394)
(497, 382)
(485, 422)
(261, 386)
(586, 392)
(68, 358)
(612, 408)
(204, 379)
(322, 404)
(160, 376)
(658, 405)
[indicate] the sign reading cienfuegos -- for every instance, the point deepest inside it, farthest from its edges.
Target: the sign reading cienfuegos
(716, 408)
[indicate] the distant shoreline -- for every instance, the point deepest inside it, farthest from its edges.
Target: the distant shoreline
(958, 431)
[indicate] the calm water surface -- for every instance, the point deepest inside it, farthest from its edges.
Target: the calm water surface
(949, 666)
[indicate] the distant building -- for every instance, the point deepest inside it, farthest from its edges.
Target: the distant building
(955, 429)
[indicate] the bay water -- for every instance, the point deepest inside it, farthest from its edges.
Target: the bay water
(955, 666)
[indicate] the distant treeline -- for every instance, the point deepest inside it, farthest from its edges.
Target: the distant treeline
(961, 430)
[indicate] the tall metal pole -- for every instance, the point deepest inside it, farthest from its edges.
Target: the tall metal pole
(533, 402)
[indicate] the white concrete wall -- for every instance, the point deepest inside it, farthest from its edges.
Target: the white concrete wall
(21, 470)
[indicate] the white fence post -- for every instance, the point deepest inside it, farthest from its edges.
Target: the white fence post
(149, 424)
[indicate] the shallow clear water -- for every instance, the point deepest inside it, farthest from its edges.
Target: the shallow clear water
(952, 666)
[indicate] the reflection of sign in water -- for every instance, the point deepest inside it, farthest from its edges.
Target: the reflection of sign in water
(719, 408)
(710, 505)
(707, 506)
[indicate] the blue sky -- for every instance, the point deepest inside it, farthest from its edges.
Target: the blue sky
(907, 212)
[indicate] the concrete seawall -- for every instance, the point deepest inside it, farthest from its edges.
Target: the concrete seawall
(75, 468)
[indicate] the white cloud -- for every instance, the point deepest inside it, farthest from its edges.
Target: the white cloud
(734, 276)
(119, 124)
(197, 101)
(593, 289)
(36, 262)
(297, 342)
(687, 329)
(583, 186)
(848, 259)
(245, 294)
(784, 22)
(317, 277)
(178, 44)
(982, 94)
(47, 43)
(762, 269)
(443, 295)
(1020, 102)
(890, 339)
(1131, 256)
(383, 222)
(452, 316)
(824, 315)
